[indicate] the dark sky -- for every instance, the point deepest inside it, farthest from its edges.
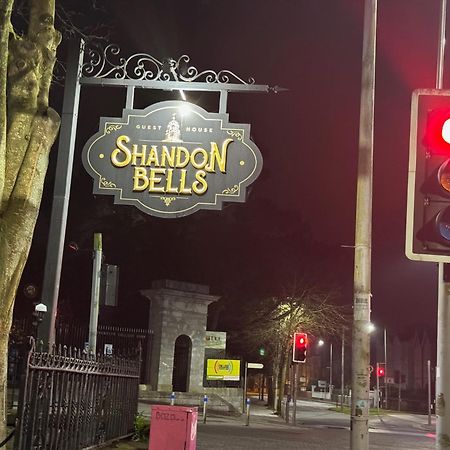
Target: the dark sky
(308, 135)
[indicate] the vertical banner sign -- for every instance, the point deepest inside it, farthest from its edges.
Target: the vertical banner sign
(172, 159)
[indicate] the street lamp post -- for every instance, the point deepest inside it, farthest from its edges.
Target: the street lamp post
(331, 370)
(330, 379)
(342, 368)
(385, 368)
(38, 316)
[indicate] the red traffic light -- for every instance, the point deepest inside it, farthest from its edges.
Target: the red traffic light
(437, 133)
(300, 346)
(380, 372)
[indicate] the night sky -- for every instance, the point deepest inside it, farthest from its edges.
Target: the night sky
(309, 140)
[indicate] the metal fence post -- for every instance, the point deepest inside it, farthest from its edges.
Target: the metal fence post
(205, 402)
(247, 414)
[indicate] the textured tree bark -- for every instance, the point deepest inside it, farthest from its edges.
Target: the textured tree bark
(28, 129)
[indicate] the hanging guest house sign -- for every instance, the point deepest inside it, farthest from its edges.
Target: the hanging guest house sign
(172, 159)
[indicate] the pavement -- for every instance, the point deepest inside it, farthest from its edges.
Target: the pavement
(317, 427)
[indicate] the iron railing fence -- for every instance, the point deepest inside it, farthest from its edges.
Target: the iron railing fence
(119, 339)
(122, 340)
(17, 350)
(71, 400)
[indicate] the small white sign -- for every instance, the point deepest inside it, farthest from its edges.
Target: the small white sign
(216, 339)
(255, 365)
(108, 349)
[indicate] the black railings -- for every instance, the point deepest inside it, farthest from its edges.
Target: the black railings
(71, 400)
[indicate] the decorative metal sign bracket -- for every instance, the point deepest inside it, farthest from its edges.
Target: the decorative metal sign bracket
(89, 66)
(106, 67)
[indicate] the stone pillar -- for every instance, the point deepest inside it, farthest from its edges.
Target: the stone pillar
(177, 309)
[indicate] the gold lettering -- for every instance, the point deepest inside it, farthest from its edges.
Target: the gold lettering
(170, 157)
(140, 176)
(155, 180)
(137, 154)
(121, 148)
(220, 157)
(180, 163)
(169, 188)
(203, 153)
(183, 188)
(200, 186)
(153, 156)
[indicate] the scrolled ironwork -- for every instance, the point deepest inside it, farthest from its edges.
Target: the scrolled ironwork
(108, 63)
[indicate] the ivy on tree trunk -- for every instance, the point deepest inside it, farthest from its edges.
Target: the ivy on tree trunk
(28, 129)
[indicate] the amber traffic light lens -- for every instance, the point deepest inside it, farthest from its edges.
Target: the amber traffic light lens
(444, 176)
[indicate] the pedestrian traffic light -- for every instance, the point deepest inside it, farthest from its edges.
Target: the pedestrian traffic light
(428, 208)
(380, 371)
(300, 347)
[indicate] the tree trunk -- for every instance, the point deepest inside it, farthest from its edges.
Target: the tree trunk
(28, 129)
(3, 378)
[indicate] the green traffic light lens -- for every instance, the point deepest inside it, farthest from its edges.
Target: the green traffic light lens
(443, 225)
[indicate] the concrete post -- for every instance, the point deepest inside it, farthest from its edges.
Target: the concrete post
(359, 435)
(443, 366)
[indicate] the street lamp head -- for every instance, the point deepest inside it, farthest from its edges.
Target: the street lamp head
(371, 327)
(321, 342)
(40, 308)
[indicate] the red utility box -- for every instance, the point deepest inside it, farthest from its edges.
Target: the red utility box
(173, 428)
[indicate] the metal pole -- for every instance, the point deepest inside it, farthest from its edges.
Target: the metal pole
(342, 368)
(244, 396)
(331, 369)
(247, 415)
(443, 366)
(294, 412)
(378, 388)
(61, 193)
(429, 390)
(359, 435)
(443, 322)
(205, 402)
(400, 392)
(441, 45)
(95, 292)
(385, 369)
(288, 395)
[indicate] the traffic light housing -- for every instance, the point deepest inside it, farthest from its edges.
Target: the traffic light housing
(380, 371)
(300, 347)
(428, 207)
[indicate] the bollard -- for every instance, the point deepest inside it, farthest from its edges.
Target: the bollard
(172, 399)
(247, 415)
(205, 401)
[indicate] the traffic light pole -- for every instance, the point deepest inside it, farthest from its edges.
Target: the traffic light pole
(359, 435)
(443, 325)
(378, 388)
(443, 366)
